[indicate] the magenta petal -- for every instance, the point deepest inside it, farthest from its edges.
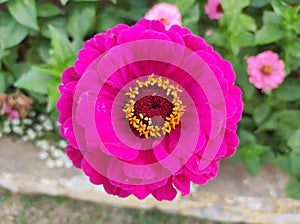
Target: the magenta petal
(67, 132)
(75, 155)
(167, 192)
(131, 34)
(97, 42)
(85, 57)
(182, 183)
(69, 75)
(231, 107)
(86, 103)
(95, 177)
(138, 171)
(155, 25)
(180, 30)
(175, 37)
(163, 153)
(110, 189)
(194, 42)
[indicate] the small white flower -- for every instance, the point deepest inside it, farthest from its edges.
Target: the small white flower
(6, 129)
(68, 164)
(59, 162)
(43, 145)
(31, 134)
(38, 127)
(50, 163)
(56, 153)
(48, 125)
(62, 144)
(43, 155)
(6, 123)
(18, 130)
(52, 149)
(27, 121)
(42, 118)
(15, 122)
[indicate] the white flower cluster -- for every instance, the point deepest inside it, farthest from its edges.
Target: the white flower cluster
(53, 154)
(39, 129)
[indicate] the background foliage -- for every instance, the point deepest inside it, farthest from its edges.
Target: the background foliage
(39, 39)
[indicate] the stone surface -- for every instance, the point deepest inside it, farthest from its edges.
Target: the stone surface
(233, 196)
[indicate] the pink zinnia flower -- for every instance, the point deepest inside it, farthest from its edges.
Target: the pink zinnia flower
(214, 9)
(12, 114)
(208, 33)
(165, 12)
(266, 70)
(147, 110)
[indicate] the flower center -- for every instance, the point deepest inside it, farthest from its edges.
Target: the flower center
(154, 107)
(164, 20)
(219, 8)
(266, 69)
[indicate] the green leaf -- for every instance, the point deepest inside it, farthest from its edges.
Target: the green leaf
(292, 189)
(250, 155)
(47, 10)
(259, 3)
(289, 90)
(3, 53)
(61, 52)
(24, 12)
(217, 38)
(19, 69)
(184, 6)
(284, 122)
(233, 5)
(252, 165)
(34, 81)
(245, 137)
(295, 165)
(53, 94)
(283, 162)
(57, 22)
(2, 1)
(81, 19)
(268, 34)
(52, 70)
(108, 18)
(42, 47)
(2, 83)
(292, 47)
(11, 32)
(240, 68)
(261, 113)
(294, 142)
(191, 18)
(247, 22)
(114, 1)
(270, 17)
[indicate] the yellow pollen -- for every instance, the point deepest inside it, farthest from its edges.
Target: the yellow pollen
(144, 124)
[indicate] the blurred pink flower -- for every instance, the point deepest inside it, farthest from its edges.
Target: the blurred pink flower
(214, 9)
(208, 33)
(165, 12)
(12, 114)
(266, 70)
